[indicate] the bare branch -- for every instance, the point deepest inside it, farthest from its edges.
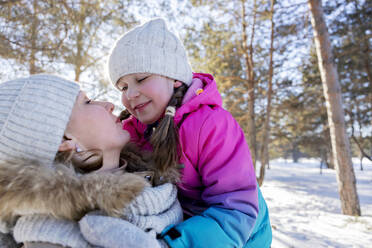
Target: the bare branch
(8, 2)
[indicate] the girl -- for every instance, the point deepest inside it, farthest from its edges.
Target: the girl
(179, 115)
(45, 115)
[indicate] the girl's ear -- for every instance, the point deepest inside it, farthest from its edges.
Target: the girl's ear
(177, 84)
(67, 145)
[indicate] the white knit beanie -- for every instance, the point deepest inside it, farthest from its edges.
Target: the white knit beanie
(34, 112)
(149, 48)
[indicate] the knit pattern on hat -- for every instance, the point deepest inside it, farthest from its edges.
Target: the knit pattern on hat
(34, 112)
(149, 48)
(41, 228)
(155, 209)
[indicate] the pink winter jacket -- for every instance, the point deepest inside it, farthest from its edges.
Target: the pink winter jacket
(218, 166)
(218, 175)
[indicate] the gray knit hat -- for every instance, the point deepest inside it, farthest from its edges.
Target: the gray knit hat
(150, 48)
(34, 112)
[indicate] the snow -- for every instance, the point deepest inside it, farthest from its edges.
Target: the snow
(305, 210)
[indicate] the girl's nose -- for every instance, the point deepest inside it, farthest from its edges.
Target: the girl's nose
(132, 93)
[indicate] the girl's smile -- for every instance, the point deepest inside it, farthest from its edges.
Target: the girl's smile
(146, 95)
(141, 106)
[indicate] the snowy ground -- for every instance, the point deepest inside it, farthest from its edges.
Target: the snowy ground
(305, 207)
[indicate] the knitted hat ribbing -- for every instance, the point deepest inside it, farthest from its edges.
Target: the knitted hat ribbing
(34, 112)
(150, 48)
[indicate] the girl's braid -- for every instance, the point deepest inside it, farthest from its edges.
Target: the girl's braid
(165, 137)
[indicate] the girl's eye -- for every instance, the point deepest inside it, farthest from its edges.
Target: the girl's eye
(122, 87)
(88, 101)
(142, 79)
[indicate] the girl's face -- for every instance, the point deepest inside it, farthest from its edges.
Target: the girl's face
(146, 95)
(94, 126)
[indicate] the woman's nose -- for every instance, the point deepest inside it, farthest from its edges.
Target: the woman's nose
(108, 106)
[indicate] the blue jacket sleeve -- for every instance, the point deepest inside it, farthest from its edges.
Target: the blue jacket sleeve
(215, 227)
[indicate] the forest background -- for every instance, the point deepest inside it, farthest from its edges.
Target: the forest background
(261, 52)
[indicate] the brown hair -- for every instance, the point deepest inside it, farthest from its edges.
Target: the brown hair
(132, 160)
(164, 139)
(83, 162)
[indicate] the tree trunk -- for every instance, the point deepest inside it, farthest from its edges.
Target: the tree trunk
(295, 153)
(330, 164)
(34, 31)
(248, 56)
(336, 118)
(361, 162)
(266, 131)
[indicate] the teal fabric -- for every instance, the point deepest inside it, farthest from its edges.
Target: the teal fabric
(218, 227)
(203, 231)
(261, 236)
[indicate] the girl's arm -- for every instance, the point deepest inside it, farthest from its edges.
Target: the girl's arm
(228, 176)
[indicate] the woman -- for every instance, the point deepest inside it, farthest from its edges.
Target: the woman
(45, 118)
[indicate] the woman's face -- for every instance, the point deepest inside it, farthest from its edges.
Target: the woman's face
(146, 95)
(93, 126)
